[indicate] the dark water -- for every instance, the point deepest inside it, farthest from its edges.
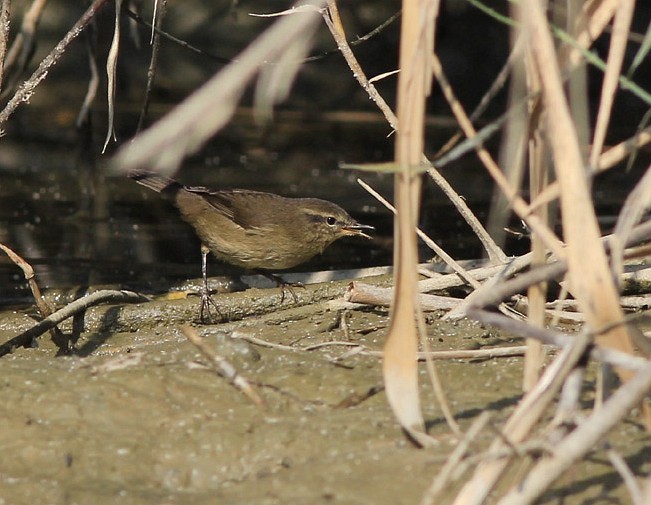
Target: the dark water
(78, 223)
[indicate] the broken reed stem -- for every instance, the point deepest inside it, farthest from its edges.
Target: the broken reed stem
(222, 366)
(538, 180)
(27, 88)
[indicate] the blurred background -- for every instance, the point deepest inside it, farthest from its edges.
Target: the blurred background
(79, 224)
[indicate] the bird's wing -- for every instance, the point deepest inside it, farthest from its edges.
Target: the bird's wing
(245, 208)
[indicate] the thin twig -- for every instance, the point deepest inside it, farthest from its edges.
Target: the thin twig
(423, 236)
(43, 306)
(26, 90)
(26, 337)
(5, 18)
(222, 366)
(160, 10)
(359, 349)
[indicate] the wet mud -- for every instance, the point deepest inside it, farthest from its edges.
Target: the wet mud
(135, 416)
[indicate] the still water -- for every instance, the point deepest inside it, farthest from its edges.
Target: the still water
(78, 222)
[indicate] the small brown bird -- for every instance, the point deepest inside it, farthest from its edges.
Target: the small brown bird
(255, 230)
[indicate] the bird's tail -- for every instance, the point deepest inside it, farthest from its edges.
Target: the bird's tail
(154, 181)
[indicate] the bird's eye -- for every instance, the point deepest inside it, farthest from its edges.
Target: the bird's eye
(331, 221)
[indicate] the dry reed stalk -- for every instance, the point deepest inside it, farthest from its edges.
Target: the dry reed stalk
(589, 275)
(538, 180)
(521, 422)
(590, 23)
(399, 366)
(581, 441)
(619, 38)
(520, 207)
(608, 159)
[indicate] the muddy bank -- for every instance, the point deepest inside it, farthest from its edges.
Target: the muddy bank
(134, 417)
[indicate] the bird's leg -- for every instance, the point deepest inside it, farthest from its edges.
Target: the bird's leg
(282, 284)
(206, 299)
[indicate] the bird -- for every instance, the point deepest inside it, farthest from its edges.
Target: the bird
(254, 230)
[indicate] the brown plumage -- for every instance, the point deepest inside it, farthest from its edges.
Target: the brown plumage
(257, 230)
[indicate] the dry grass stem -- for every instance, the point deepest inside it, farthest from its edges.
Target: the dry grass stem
(111, 76)
(362, 350)
(608, 159)
(582, 440)
(336, 27)
(451, 262)
(590, 23)
(557, 339)
(444, 477)
(333, 21)
(628, 477)
(519, 425)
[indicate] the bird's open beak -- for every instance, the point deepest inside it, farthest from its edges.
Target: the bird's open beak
(357, 230)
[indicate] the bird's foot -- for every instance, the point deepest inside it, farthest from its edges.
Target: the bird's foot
(283, 285)
(207, 304)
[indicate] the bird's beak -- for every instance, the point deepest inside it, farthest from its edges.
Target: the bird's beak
(357, 229)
